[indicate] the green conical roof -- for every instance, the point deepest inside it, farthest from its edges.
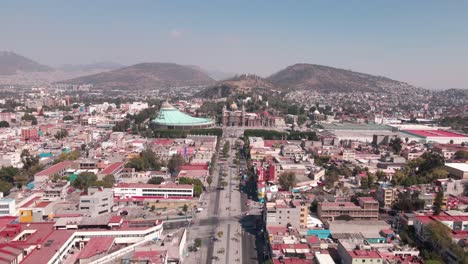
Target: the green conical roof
(170, 116)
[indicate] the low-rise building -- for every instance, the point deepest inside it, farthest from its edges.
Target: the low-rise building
(458, 170)
(368, 209)
(152, 191)
(58, 169)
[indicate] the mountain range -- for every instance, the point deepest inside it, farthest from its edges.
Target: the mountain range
(108, 75)
(321, 78)
(146, 76)
(11, 63)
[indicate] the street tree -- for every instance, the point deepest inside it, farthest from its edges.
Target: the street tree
(438, 202)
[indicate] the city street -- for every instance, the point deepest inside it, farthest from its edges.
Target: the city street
(227, 224)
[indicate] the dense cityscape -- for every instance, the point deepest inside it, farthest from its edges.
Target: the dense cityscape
(155, 162)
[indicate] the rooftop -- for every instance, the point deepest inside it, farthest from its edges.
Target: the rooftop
(111, 168)
(170, 116)
(96, 245)
(54, 169)
(459, 166)
(433, 133)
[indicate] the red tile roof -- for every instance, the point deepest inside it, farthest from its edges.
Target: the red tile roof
(313, 239)
(115, 219)
(31, 202)
(42, 204)
(434, 133)
(5, 220)
(163, 141)
(364, 254)
(112, 168)
(54, 169)
(195, 167)
(95, 246)
(154, 256)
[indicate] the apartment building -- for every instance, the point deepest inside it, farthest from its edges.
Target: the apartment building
(287, 212)
(385, 195)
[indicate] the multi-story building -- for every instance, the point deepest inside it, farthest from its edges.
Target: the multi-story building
(385, 195)
(368, 209)
(29, 134)
(293, 151)
(7, 207)
(152, 191)
(98, 201)
(287, 212)
(55, 191)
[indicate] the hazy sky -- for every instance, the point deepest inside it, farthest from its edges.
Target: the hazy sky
(422, 42)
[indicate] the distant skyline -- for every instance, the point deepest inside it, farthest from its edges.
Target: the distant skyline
(424, 43)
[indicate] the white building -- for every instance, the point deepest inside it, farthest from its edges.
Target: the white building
(97, 202)
(136, 107)
(149, 191)
(7, 207)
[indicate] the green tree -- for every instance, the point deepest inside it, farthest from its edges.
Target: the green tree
(61, 134)
(29, 117)
(430, 161)
(395, 144)
(4, 124)
(8, 173)
(226, 148)
(287, 180)
(67, 118)
(28, 160)
(197, 185)
(137, 163)
(175, 163)
(438, 202)
(331, 177)
(84, 180)
(72, 155)
(185, 208)
(21, 179)
(461, 155)
(156, 180)
(381, 176)
(5, 187)
(408, 202)
(109, 180)
(197, 242)
(365, 182)
(209, 180)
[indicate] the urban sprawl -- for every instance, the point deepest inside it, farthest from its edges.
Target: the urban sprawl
(91, 176)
